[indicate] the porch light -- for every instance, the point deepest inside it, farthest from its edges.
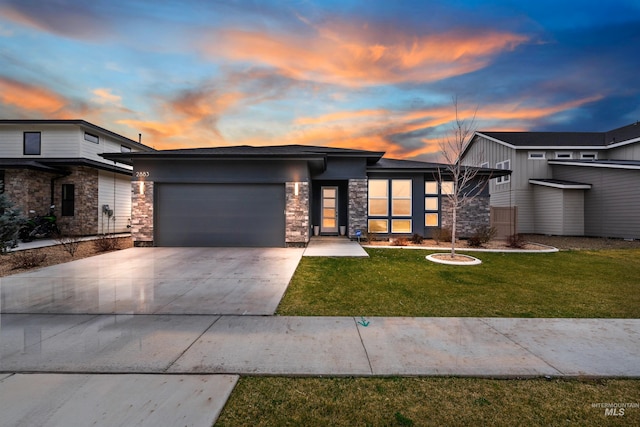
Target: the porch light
(295, 189)
(141, 187)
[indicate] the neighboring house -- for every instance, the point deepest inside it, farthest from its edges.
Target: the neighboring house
(564, 183)
(58, 162)
(277, 195)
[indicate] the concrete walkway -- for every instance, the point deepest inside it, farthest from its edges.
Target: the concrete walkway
(275, 345)
(334, 246)
(121, 370)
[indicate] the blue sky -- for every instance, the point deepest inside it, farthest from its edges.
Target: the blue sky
(376, 75)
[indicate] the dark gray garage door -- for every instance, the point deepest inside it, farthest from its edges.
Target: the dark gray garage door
(219, 215)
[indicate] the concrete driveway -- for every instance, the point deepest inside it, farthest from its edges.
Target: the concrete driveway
(157, 281)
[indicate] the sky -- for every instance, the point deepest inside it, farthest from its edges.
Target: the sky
(377, 75)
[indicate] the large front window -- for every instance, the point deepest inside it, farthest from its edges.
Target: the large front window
(390, 206)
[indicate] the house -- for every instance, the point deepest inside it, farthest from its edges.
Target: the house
(563, 183)
(279, 195)
(58, 162)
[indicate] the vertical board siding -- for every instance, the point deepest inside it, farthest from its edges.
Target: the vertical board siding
(573, 213)
(547, 210)
(120, 204)
(612, 204)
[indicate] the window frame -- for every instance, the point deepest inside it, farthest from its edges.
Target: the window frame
(24, 143)
(501, 165)
(437, 194)
(588, 155)
(67, 204)
(385, 198)
(88, 136)
(537, 155)
(392, 217)
(394, 198)
(125, 149)
(564, 155)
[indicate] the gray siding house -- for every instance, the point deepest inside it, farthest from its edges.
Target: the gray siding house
(281, 195)
(565, 183)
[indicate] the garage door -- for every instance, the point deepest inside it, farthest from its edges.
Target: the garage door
(219, 215)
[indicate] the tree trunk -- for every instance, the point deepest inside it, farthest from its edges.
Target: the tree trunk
(453, 230)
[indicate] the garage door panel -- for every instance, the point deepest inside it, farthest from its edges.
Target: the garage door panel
(219, 215)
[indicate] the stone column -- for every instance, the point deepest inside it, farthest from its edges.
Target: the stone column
(297, 214)
(357, 206)
(142, 213)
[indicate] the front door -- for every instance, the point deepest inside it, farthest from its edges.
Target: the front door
(329, 223)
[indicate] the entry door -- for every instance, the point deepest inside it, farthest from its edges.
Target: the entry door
(329, 222)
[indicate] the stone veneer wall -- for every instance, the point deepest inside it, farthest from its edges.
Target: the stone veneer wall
(28, 190)
(297, 214)
(85, 218)
(142, 213)
(358, 210)
(471, 217)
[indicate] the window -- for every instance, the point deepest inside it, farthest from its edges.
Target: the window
(91, 138)
(536, 155)
(589, 156)
(564, 155)
(378, 197)
(506, 165)
(390, 206)
(401, 197)
(125, 149)
(68, 200)
(484, 165)
(32, 143)
(432, 203)
(446, 187)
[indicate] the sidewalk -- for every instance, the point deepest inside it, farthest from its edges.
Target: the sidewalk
(342, 346)
(149, 370)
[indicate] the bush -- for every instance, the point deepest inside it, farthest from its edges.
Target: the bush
(27, 259)
(482, 236)
(104, 243)
(516, 241)
(441, 235)
(69, 243)
(10, 222)
(417, 239)
(399, 241)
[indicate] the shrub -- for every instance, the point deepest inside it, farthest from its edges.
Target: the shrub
(104, 243)
(10, 222)
(417, 239)
(515, 241)
(69, 243)
(441, 235)
(482, 235)
(27, 259)
(399, 241)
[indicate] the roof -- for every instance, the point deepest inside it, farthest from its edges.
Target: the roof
(57, 165)
(610, 164)
(78, 122)
(389, 165)
(273, 152)
(560, 183)
(566, 140)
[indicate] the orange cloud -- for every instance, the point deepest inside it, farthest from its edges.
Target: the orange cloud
(104, 96)
(30, 97)
(358, 59)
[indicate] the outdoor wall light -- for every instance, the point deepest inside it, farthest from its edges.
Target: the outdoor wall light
(141, 187)
(295, 189)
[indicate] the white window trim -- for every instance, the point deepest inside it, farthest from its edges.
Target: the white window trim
(501, 165)
(589, 155)
(537, 155)
(564, 155)
(89, 138)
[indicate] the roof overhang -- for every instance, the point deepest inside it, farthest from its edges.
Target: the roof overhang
(607, 164)
(57, 166)
(563, 185)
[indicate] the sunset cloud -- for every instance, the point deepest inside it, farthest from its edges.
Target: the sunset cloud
(30, 97)
(346, 58)
(104, 96)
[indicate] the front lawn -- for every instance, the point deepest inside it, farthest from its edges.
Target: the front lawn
(263, 401)
(397, 282)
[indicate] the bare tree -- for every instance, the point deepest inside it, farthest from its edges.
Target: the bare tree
(467, 185)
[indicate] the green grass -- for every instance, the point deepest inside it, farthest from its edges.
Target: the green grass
(264, 401)
(395, 282)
